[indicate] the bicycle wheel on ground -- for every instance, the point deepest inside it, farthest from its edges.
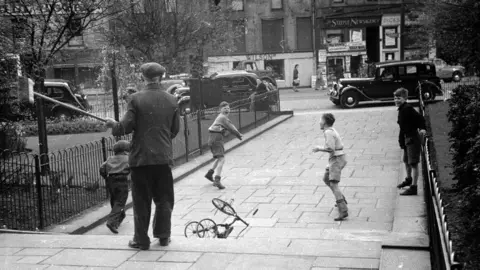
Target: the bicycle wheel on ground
(224, 207)
(208, 227)
(191, 230)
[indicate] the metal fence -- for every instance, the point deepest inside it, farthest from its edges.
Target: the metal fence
(442, 254)
(38, 191)
(447, 88)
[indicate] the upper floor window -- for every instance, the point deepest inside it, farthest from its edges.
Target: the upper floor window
(273, 36)
(277, 4)
(237, 5)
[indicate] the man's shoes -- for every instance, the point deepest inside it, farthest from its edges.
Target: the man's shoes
(164, 241)
(209, 175)
(217, 183)
(136, 245)
(112, 228)
(412, 190)
(407, 182)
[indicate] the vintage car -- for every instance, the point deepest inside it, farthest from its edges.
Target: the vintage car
(448, 73)
(389, 76)
(250, 66)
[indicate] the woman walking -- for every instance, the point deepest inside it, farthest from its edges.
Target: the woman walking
(320, 83)
(296, 81)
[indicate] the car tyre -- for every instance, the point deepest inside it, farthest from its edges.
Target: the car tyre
(349, 100)
(457, 77)
(428, 94)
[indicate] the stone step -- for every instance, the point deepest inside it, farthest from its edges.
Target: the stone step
(405, 259)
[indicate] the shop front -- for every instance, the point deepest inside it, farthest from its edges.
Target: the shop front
(390, 41)
(349, 42)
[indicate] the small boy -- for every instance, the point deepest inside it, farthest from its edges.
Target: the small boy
(410, 121)
(115, 171)
(336, 162)
(221, 127)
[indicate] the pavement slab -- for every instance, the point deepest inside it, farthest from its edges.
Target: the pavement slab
(277, 174)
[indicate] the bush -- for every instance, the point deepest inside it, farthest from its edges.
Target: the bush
(12, 137)
(59, 127)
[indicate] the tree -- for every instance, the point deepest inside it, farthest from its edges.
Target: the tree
(174, 33)
(455, 27)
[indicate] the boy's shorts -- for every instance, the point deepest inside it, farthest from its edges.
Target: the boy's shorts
(215, 141)
(334, 170)
(412, 150)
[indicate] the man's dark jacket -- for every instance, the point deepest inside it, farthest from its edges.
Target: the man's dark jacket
(153, 117)
(409, 121)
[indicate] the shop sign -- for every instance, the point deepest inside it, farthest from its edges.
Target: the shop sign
(353, 22)
(348, 46)
(322, 56)
(391, 20)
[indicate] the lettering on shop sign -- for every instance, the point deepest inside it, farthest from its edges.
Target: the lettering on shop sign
(260, 57)
(353, 22)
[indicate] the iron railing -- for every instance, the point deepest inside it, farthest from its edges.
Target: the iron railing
(442, 255)
(447, 87)
(38, 191)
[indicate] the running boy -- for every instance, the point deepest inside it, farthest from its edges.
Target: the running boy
(115, 171)
(336, 162)
(221, 127)
(410, 121)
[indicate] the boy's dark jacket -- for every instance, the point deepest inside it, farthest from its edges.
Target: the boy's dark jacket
(409, 121)
(117, 164)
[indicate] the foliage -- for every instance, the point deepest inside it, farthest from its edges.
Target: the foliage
(60, 127)
(175, 36)
(454, 25)
(12, 136)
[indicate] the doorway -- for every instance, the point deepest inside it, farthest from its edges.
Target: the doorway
(355, 62)
(373, 43)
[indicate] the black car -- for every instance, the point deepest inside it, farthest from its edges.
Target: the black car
(389, 76)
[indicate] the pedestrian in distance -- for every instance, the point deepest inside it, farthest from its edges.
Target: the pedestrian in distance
(115, 171)
(412, 132)
(221, 128)
(336, 162)
(339, 72)
(320, 84)
(296, 80)
(153, 118)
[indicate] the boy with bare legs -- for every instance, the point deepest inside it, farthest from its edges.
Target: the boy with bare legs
(336, 162)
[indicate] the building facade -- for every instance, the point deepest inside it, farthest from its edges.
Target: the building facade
(325, 34)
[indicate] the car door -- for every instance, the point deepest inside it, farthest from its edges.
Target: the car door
(408, 78)
(383, 86)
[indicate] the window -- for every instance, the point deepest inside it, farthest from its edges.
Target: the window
(407, 70)
(389, 56)
(76, 41)
(237, 5)
(240, 81)
(239, 42)
(277, 4)
(388, 73)
(278, 67)
(55, 92)
(426, 70)
(304, 34)
(272, 35)
(337, 1)
(171, 6)
(334, 38)
(19, 28)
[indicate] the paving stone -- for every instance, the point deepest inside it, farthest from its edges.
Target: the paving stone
(108, 258)
(65, 267)
(173, 256)
(262, 222)
(35, 241)
(410, 224)
(357, 263)
(380, 226)
(147, 256)
(214, 261)
(290, 225)
(305, 199)
(405, 259)
(285, 233)
(32, 259)
(313, 217)
(344, 249)
(154, 265)
(8, 251)
(259, 199)
(249, 261)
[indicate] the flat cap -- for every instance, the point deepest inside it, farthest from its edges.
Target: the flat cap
(152, 70)
(121, 146)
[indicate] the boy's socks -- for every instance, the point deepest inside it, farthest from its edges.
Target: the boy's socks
(209, 175)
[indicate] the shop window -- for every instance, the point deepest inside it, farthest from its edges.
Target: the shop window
(390, 37)
(304, 34)
(334, 38)
(332, 63)
(356, 35)
(278, 67)
(272, 35)
(277, 4)
(239, 42)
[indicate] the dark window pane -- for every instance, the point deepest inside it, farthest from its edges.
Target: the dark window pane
(272, 35)
(304, 34)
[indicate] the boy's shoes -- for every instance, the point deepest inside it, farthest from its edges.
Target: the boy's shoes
(407, 182)
(344, 200)
(209, 175)
(136, 245)
(164, 241)
(217, 183)
(412, 190)
(341, 217)
(342, 210)
(112, 228)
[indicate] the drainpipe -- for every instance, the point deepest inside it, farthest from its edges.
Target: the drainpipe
(314, 24)
(402, 31)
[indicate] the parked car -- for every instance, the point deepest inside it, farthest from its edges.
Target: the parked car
(448, 73)
(265, 75)
(389, 76)
(63, 90)
(227, 86)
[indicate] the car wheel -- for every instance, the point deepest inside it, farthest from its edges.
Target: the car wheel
(62, 114)
(427, 93)
(185, 108)
(456, 77)
(349, 100)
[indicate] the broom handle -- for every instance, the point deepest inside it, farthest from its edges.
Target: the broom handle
(68, 106)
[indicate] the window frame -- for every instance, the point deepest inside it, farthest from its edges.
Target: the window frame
(385, 29)
(243, 5)
(276, 8)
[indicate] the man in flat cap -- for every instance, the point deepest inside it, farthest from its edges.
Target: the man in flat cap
(153, 117)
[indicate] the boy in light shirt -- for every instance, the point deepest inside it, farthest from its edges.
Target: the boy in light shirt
(336, 162)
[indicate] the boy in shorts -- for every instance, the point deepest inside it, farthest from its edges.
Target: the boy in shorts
(221, 127)
(336, 162)
(116, 170)
(410, 121)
